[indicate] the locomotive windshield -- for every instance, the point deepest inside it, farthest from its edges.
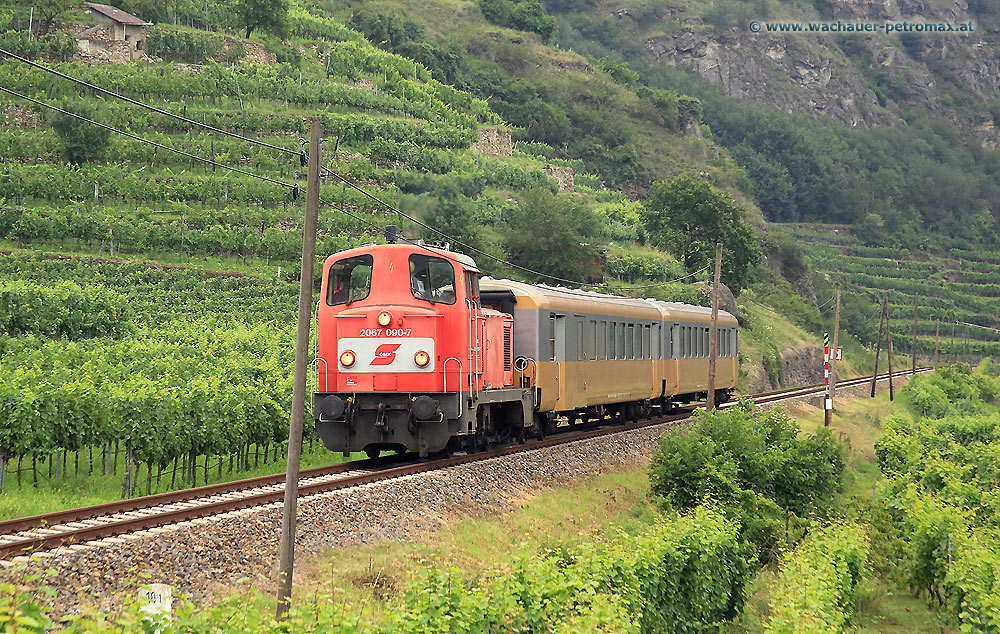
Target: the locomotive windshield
(350, 280)
(432, 279)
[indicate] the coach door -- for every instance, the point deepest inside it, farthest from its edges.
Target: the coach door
(557, 354)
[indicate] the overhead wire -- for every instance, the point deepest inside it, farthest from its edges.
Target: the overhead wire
(152, 108)
(469, 247)
(294, 188)
(441, 253)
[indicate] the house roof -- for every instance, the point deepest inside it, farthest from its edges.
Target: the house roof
(116, 14)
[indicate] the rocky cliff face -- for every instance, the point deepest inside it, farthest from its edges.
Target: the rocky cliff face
(858, 79)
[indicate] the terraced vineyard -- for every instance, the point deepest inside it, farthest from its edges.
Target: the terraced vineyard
(957, 291)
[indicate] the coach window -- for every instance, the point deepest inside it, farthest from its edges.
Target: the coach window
(630, 342)
(612, 337)
(602, 341)
(645, 342)
(350, 280)
(432, 279)
(592, 340)
(689, 341)
(579, 340)
(621, 341)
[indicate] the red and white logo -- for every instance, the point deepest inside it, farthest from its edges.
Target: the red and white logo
(385, 354)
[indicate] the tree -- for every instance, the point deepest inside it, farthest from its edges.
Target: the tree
(50, 11)
(688, 216)
(267, 15)
(82, 141)
(553, 234)
(452, 215)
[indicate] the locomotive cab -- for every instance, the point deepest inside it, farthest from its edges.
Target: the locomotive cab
(408, 358)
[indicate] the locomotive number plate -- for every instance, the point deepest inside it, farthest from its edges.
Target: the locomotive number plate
(385, 332)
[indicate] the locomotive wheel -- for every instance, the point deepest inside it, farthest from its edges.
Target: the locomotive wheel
(373, 453)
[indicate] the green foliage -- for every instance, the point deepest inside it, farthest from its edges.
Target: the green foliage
(192, 45)
(51, 11)
(398, 34)
(618, 70)
(684, 575)
(270, 16)
(753, 462)
(524, 15)
(553, 234)
(452, 215)
(81, 140)
(631, 267)
(688, 217)
(62, 309)
(815, 590)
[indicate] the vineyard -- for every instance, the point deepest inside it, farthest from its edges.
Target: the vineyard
(167, 365)
(940, 491)
(958, 292)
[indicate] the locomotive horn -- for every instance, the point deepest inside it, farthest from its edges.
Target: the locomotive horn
(390, 234)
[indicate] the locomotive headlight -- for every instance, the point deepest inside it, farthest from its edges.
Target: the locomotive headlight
(347, 358)
(384, 318)
(422, 359)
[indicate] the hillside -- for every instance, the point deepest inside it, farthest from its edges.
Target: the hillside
(887, 130)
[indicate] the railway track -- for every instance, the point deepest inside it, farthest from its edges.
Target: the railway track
(27, 535)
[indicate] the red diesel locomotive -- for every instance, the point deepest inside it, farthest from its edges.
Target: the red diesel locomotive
(414, 355)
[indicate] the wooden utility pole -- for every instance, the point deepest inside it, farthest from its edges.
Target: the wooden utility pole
(916, 307)
(878, 346)
(833, 352)
(937, 336)
(286, 560)
(713, 337)
(888, 345)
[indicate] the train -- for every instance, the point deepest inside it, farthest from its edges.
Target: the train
(417, 351)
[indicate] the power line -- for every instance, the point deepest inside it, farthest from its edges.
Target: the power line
(294, 188)
(300, 154)
(525, 269)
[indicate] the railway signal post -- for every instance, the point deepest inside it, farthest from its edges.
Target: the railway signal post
(286, 561)
(713, 337)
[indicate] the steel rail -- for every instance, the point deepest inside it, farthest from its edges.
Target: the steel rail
(384, 471)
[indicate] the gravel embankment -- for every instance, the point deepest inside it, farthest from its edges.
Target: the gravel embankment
(199, 556)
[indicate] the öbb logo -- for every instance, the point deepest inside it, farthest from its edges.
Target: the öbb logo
(385, 354)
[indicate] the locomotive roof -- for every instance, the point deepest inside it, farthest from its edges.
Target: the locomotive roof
(552, 297)
(414, 247)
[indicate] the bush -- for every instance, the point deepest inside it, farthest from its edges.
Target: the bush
(816, 588)
(754, 462)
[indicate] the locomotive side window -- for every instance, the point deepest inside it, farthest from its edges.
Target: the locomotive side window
(472, 288)
(350, 280)
(432, 279)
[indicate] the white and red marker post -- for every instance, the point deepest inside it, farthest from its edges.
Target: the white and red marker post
(828, 400)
